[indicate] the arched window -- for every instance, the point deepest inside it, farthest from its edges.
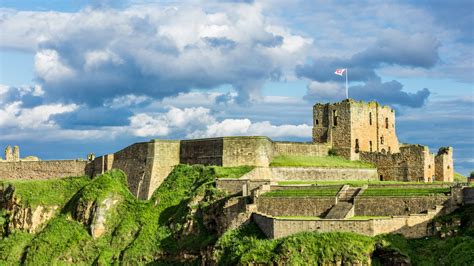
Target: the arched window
(370, 145)
(381, 140)
(357, 146)
(386, 122)
(317, 122)
(370, 118)
(334, 117)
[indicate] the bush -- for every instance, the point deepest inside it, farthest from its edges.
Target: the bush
(332, 152)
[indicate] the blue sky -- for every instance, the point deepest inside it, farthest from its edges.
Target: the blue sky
(95, 76)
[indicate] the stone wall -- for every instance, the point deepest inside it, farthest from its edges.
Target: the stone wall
(319, 173)
(255, 151)
(202, 151)
(301, 148)
(412, 163)
(388, 206)
(295, 206)
(234, 185)
(412, 226)
(351, 126)
(468, 195)
(444, 168)
(42, 169)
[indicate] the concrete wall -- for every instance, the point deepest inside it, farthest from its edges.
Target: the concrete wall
(42, 169)
(387, 206)
(297, 206)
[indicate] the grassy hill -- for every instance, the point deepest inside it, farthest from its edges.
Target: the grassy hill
(174, 227)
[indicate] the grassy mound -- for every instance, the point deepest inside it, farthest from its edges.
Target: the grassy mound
(314, 161)
(247, 245)
(231, 172)
(459, 178)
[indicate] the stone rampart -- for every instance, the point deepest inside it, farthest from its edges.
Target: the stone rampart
(202, 151)
(301, 148)
(234, 185)
(42, 169)
(295, 206)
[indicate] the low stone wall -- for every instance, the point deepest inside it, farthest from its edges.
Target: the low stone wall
(42, 169)
(295, 206)
(387, 206)
(412, 226)
(301, 148)
(319, 173)
(234, 185)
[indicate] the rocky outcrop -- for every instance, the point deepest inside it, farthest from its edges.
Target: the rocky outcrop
(95, 214)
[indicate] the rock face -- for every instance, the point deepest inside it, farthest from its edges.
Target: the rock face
(94, 214)
(23, 217)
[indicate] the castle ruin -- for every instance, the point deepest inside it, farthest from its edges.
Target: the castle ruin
(354, 130)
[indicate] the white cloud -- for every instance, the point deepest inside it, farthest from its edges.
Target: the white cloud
(49, 67)
(324, 91)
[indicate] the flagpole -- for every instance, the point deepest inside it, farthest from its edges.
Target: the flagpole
(347, 88)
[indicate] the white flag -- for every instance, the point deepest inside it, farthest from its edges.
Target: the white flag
(340, 71)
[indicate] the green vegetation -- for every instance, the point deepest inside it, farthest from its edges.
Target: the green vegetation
(314, 192)
(403, 192)
(308, 161)
(359, 183)
(231, 172)
(46, 192)
(459, 178)
(247, 245)
(137, 231)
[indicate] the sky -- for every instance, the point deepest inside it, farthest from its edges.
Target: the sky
(96, 76)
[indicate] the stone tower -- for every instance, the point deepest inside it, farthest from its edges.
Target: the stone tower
(444, 169)
(352, 126)
(16, 153)
(8, 154)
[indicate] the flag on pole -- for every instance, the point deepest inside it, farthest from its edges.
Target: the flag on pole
(340, 71)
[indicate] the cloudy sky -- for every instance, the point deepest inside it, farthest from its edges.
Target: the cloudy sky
(95, 76)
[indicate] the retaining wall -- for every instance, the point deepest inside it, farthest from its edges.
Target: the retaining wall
(319, 173)
(42, 169)
(387, 206)
(234, 185)
(301, 148)
(296, 206)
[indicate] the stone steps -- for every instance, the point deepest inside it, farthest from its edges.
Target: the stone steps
(341, 210)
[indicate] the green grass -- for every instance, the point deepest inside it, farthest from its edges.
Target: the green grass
(367, 217)
(357, 183)
(315, 192)
(459, 178)
(309, 161)
(46, 192)
(247, 245)
(231, 172)
(403, 192)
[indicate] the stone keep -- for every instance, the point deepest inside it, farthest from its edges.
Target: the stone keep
(444, 169)
(351, 127)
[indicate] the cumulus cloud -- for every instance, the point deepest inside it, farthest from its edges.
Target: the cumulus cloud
(96, 55)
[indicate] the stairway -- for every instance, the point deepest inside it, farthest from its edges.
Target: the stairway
(340, 211)
(345, 203)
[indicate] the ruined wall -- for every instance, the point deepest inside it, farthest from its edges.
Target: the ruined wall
(42, 169)
(388, 206)
(331, 123)
(296, 206)
(444, 168)
(300, 148)
(352, 126)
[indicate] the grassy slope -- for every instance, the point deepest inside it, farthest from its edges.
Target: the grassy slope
(459, 178)
(308, 161)
(46, 192)
(231, 172)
